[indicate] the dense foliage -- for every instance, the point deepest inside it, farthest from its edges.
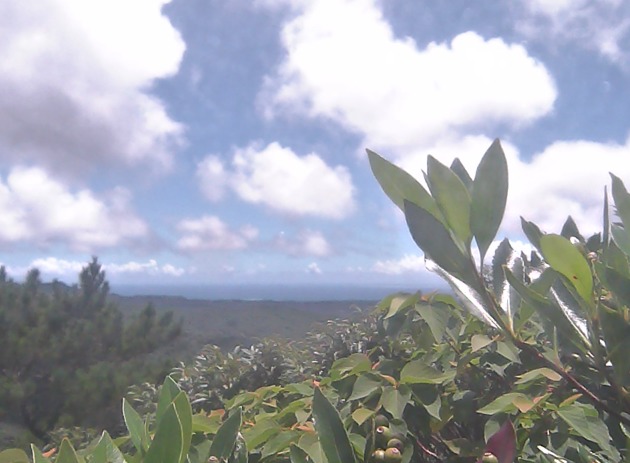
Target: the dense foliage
(529, 358)
(65, 350)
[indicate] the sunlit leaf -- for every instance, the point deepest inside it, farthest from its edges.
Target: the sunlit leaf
(168, 443)
(621, 238)
(489, 196)
(479, 341)
(225, 440)
(622, 200)
(14, 456)
(365, 385)
(394, 400)
(507, 297)
(399, 186)
(563, 257)
(106, 451)
(418, 372)
(135, 427)
(66, 454)
(451, 196)
(507, 403)
(532, 375)
(532, 232)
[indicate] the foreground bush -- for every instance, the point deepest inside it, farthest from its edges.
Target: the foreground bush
(529, 359)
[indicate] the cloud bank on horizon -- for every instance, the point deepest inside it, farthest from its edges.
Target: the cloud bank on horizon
(215, 142)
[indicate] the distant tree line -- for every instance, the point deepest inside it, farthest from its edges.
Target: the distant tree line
(66, 354)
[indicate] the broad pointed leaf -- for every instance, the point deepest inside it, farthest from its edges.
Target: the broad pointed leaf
(621, 238)
(489, 196)
(532, 232)
(399, 185)
(67, 454)
(437, 243)
(135, 427)
(106, 451)
(622, 200)
(418, 372)
(570, 230)
(224, 441)
(332, 434)
(507, 297)
(298, 455)
(616, 330)
(563, 257)
(168, 391)
(168, 443)
(38, 457)
(462, 173)
(452, 198)
(395, 400)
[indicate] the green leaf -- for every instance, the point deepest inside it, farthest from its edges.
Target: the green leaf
(240, 454)
(570, 230)
(418, 372)
(14, 456)
(206, 424)
(563, 257)
(489, 196)
(225, 439)
(505, 295)
(616, 331)
(621, 238)
(279, 443)
(361, 415)
(436, 316)
(66, 454)
(532, 232)
(532, 375)
(261, 432)
(135, 427)
(38, 457)
(365, 385)
(585, 420)
(437, 243)
(351, 365)
(332, 434)
(309, 442)
(168, 391)
(184, 414)
(622, 200)
(298, 455)
(451, 196)
(458, 168)
(106, 451)
(168, 443)
(400, 303)
(508, 403)
(399, 185)
(394, 400)
(479, 341)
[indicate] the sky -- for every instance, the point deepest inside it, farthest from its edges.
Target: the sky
(223, 142)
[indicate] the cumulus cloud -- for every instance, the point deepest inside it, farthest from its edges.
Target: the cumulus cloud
(150, 267)
(75, 81)
(35, 207)
(211, 233)
(600, 25)
(281, 180)
(305, 243)
(406, 264)
(394, 93)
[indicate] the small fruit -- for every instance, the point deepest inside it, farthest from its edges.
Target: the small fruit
(378, 456)
(489, 458)
(381, 420)
(395, 443)
(393, 455)
(383, 435)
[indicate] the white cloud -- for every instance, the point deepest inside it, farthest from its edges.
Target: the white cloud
(313, 268)
(305, 243)
(280, 179)
(75, 79)
(150, 267)
(600, 25)
(395, 94)
(211, 233)
(406, 264)
(37, 208)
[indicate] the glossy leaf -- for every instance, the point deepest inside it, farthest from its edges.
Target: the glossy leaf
(452, 198)
(436, 316)
(38, 457)
(225, 440)
(507, 297)
(507, 403)
(168, 392)
(364, 386)
(298, 455)
(14, 456)
(467, 296)
(332, 434)
(563, 257)
(400, 303)
(489, 196)
(135, 427)
(361, 415)
(240, 453)
(67, 454)
(168, 443)
(399, 186)
(437, 243)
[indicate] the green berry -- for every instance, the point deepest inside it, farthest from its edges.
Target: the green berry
(381, 420)
(395, 443)
(393, 455)
(383, 435)
(378, 456)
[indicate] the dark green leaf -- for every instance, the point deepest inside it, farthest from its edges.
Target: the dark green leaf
(298, 455)
(399, 185)
(489, 196)
(225, 440)
(364, 386)
(436, 316)
(168, 391)
(563, 257)
(261, 432)
(505, 295)
(532, 232)
(332, 434)
(621, 238)
(240, 454)
(279, 442)
(437, 243)
(622, 200)
(168, 443)
(570, 230)
(451, 197)
(418, 372)
(616, 330)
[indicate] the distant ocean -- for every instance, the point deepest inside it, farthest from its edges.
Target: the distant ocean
(301, 293)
